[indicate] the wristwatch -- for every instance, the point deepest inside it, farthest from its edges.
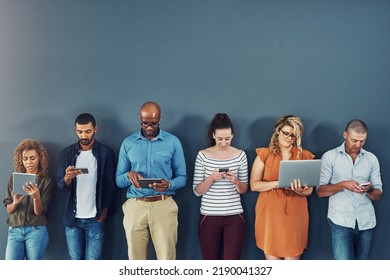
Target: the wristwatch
(370, 190)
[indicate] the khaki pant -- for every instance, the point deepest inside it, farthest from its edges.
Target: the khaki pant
(157, 220)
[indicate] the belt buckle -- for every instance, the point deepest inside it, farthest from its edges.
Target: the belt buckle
(155, 198)
(148, 198)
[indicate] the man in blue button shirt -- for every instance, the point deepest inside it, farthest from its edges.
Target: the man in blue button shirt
(150, 212)
(350, 177)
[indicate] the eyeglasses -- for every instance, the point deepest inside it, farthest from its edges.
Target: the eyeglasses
(287, 134)
(151, 124)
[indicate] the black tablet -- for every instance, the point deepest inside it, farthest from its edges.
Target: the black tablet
(144, 182)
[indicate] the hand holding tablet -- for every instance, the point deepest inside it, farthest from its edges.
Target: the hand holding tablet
(20, 180)
(145, 182)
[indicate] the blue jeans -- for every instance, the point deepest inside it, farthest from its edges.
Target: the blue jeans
(28, 242)
(85, 239)
(349, 243)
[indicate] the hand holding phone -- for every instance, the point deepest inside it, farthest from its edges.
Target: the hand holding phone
(82, 169)
(71, 172)
(366, 187)
(229, 175)
(223, 170)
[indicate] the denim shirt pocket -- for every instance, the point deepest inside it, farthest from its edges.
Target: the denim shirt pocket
(163, 157)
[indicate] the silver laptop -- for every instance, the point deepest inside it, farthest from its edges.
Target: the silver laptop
(307, 171)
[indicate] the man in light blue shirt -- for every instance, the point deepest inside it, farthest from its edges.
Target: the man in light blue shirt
(150, 211)
(350, 177)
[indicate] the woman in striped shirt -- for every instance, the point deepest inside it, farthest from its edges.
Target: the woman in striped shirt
(220, 177)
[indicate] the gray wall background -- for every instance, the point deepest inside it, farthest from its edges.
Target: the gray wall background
(326, 61)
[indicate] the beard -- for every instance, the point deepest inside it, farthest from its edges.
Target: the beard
(150, 133)
(85, 142)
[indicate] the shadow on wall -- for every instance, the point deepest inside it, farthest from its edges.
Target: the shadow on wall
(258, 136)
(327, 137)
(193, 139)
(324, 137)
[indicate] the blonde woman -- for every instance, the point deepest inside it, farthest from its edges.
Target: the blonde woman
(27, 233)
(282, 218)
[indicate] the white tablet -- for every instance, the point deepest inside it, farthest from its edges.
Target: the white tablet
(307, 171)
(144, 182)
(21, 179)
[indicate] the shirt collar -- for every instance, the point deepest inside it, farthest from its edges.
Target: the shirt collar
(159, 136)
(94, 145)
(294, 153)
(341, 149)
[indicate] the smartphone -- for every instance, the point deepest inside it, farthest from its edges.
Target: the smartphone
(365, 184)
(223, 170)
(82, 169)
(144, 182)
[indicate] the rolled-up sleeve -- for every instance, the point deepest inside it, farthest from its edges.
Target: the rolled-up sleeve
(124, 166)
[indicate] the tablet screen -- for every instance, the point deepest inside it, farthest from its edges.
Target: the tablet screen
(21, 179)
(144, 182)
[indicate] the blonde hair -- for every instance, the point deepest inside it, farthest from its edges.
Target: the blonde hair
(296, 124)
(28, 145)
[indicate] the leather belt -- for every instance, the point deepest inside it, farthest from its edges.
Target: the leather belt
(153, 198)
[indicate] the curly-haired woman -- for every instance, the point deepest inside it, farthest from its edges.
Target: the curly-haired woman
(27, 233)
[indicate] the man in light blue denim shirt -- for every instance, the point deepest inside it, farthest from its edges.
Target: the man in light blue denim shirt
(350, 177)
(150, 211)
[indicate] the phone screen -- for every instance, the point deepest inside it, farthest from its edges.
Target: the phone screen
(83, 170)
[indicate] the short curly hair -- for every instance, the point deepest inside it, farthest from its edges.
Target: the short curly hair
(28, 145)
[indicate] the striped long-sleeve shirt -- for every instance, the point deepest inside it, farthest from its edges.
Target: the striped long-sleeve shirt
(221, 199)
